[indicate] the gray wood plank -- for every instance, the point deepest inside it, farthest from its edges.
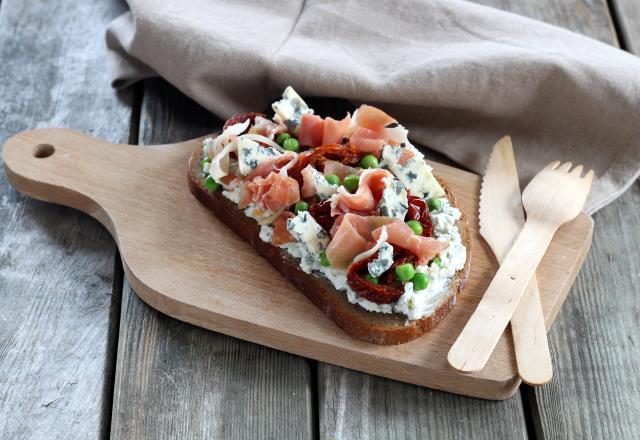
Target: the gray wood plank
(369, 407)
(595, 392)
(628, 19)
(57, 307)
(596, 387)
(355, 405)
(175, 380)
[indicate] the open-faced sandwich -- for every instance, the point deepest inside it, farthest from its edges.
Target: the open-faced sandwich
(348, 210)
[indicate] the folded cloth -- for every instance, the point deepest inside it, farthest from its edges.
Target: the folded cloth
(458, 75)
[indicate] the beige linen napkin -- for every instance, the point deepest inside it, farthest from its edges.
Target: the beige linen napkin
(458, 75)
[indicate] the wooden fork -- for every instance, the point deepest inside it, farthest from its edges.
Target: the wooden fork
(553, 197)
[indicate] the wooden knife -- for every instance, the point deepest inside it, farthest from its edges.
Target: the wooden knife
(501, 219)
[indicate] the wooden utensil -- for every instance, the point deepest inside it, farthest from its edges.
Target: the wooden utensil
(185, 263)
(501, 220)
(553, 197)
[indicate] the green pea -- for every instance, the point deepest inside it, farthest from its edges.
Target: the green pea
(421, 281)
(324, 260)
(282, 137)
(301, 206)
(416, 226)
(291, 144)
(210, 183)
(372, 279)
(351, 182)
(437, 261)
(203, 162)
(434, 204)
(332, 179)
(369, 161)
(405, 272)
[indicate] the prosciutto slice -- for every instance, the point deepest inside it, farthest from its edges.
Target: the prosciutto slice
(365, 199)
(352, 237)
(400, 234)
(273, 193)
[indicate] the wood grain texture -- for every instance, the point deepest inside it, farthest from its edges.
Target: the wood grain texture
(356, 405)
(168, 268)
(554, 197)
(584, 16)
(57, 306)
(501, 219)
(175, 380)
(628, 14)
(596, 387)
(595, 390)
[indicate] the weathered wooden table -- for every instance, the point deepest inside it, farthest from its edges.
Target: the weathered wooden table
(82, 357)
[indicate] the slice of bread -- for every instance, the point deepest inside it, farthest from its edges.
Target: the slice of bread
(379, 328)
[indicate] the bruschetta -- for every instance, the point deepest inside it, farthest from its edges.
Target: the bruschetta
(348, 210)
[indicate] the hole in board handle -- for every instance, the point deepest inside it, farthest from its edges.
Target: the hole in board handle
(43, 150)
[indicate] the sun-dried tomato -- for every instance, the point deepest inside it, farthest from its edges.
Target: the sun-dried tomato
(345, 154)
(386, 292)
(321, 213)
(400, 256)
(237, 119)
(419, 211)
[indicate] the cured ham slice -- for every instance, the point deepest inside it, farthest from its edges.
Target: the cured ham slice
(365, 199)
(339, 169)
(370, 135)
(273, 193)
(311, 130)
(270, 166)
(373, 118)
(265, 127)
(366, 140)
(352, 237)
(334, 130)
(281, 234)
(400, 234)
(308, 189)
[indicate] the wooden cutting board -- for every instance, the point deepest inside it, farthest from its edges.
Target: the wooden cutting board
(184, 262)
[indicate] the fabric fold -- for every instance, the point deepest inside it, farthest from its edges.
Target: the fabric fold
(458, 75)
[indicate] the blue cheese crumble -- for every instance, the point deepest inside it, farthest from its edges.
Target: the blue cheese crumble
(394, 202)
(291, 108)
(251, 154)
(323, 188)
(313, 240)
(383, 261)
(414, 174)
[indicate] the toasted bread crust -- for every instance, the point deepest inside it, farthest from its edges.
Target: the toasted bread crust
(378, 328)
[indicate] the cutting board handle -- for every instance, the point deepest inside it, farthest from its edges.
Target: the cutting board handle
(65, 167)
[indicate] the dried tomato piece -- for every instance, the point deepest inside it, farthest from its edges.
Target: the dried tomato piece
(345, 154)
(400, 256)
(419, 211)
(237, 119)
(321, 213)
(383, 293)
